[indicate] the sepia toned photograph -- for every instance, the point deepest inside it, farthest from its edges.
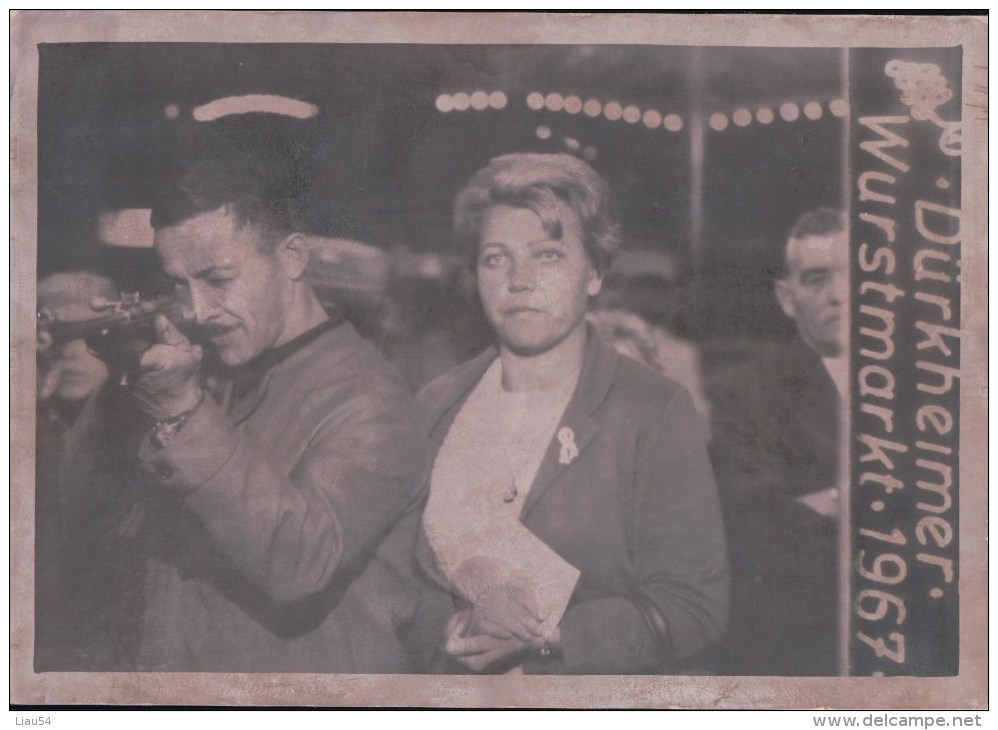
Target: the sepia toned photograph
(499, 360)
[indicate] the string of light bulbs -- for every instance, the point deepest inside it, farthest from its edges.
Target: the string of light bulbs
(789, 111)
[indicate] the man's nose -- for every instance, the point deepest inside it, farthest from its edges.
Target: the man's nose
(201, 304)
(522, 276)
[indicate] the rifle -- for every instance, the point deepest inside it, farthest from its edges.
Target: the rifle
(119, 335)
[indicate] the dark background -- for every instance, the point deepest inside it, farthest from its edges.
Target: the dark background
(391, 162)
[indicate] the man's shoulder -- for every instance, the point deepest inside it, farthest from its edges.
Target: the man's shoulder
(341, 351)
(753, 381)
(342, 365)
(773, 363)
(784, 378)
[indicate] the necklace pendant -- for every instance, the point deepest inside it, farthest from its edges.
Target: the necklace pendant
(511, 494)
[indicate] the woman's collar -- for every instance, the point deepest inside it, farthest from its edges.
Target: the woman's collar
(599, 366)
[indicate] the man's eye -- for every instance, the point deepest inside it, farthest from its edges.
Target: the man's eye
(492, 260)
(550, 255)
(815, 279)
(219, 280)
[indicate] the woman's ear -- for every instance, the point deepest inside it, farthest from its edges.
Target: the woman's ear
(293, 253)
(595, 283)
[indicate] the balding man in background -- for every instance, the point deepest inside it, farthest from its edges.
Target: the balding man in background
(775, 449)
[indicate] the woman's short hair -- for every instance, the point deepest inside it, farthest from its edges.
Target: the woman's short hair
(539, 182)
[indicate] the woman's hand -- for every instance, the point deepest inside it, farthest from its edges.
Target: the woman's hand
(504, 603)
(480, 651)
(507, 611)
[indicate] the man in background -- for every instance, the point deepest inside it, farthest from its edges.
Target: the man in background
(79, 621)
(68, 372)
(776, 454)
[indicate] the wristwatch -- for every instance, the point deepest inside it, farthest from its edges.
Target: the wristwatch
(163, 432)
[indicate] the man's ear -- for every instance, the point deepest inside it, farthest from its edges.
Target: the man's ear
(785, 297)
(293, 252)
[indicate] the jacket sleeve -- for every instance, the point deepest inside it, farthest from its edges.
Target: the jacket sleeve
(680, 602)
(294, 534)
(99, 486)
(743, 451)
(752, 471)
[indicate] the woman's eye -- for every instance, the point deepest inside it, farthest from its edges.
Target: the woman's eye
(491, 260)
(550, 256)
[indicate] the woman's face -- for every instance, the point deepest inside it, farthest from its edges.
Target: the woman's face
(534, 288)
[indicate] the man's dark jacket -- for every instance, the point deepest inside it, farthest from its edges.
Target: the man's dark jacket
(775, 423)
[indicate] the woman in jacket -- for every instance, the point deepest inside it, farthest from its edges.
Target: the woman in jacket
(573, 514)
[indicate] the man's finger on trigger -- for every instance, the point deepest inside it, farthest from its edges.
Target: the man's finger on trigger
(167, 333)
(153, 360)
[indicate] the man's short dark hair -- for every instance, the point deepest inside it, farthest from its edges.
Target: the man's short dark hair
(258, 166)
(818, 222)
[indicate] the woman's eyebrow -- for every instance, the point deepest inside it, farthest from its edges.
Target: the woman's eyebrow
(546, 242)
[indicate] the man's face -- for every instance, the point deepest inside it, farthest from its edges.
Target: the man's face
(534, 289)
(68, 371)
(74, 373)
(239, 296)
(814, 292)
